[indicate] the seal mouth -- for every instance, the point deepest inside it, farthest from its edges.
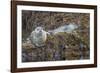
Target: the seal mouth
(39, 33)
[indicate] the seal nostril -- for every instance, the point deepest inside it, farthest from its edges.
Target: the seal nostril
(40, 31)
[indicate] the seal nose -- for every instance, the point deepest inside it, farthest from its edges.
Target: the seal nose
(40, 30)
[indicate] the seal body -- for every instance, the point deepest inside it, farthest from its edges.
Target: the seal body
(38, 37)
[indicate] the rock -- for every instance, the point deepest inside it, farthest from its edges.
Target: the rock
(27, 45)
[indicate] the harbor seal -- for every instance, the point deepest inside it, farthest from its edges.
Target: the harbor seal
(38, 37)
